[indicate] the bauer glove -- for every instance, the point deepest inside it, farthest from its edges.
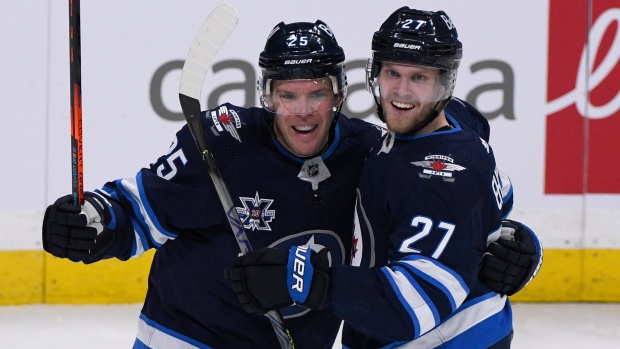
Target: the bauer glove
(77, 233)
(513, 260)
(269, 278)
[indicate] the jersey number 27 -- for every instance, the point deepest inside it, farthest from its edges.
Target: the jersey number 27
(426, 225)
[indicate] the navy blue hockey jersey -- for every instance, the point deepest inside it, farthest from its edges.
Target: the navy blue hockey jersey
(282, 201)
(427, 207)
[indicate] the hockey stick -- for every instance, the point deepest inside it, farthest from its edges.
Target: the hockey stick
(211, 36)
(75, 56)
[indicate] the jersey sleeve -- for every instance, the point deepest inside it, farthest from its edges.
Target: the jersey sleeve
(173, 195)
(476, 122)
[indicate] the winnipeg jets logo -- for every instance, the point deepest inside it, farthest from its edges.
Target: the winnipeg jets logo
(438, 165)
(255, 213)
(226, 119)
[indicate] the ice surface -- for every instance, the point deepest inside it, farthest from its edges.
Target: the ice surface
(537, 325)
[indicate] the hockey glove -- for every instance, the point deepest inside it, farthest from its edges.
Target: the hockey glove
(511, 262)
(269, 278)
(77, 233)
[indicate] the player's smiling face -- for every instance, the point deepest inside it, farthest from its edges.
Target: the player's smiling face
(303, 114)
(408, 95)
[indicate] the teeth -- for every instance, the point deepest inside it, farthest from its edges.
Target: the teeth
(305, 128)
(402, 105)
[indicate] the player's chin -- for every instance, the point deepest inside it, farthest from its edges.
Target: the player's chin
(308, 143)
(305, 146)
(398, 124)
(395, 118)
(306, 150)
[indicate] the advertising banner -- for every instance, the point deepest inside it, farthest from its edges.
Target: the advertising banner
(582, 144)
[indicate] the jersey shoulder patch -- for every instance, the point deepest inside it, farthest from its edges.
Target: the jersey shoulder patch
(224, 119)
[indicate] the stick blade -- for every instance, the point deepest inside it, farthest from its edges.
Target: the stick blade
(208, 41)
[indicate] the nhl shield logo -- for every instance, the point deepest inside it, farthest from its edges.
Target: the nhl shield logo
(313, 169)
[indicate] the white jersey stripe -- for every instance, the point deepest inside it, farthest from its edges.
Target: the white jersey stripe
(138, 246)
(506, 186)
(159, 237)
(461, 322)
(157, 337)
(414, 300)
(441, 277)
(140, 240)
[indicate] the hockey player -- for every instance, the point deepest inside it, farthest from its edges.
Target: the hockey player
(291, 167)
(429, 202)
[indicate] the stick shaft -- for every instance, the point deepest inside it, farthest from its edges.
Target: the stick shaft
(75, 56)
(211, 36)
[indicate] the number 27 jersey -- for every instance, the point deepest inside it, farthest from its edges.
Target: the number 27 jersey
(427, 207)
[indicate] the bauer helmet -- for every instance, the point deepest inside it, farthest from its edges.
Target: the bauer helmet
(302, 50)
(421, 38)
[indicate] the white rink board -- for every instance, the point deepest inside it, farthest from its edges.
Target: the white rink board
(125, 44)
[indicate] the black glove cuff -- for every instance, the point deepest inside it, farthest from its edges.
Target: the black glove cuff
(318, 291)
(320, 280)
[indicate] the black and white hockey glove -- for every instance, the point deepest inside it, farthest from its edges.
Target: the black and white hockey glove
(513, 261)
(77, 233)
(269, 278)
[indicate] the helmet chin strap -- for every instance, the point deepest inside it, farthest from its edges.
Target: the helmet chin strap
(332, 130)
(369, 83)
(331, 135)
